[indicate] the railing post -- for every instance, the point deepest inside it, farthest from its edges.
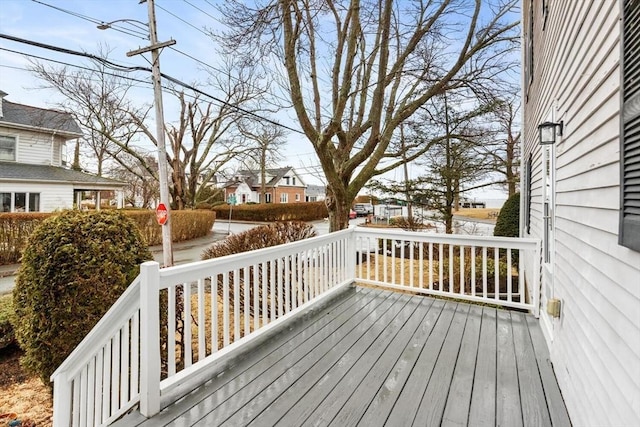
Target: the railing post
(62, 394)
(149, 338)
(536, 280)
(351, 253)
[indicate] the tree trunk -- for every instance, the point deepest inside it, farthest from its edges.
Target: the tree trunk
(339, 208)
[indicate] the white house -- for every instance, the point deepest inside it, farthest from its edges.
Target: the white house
(33, 172)
(282, 185)
(581, 197)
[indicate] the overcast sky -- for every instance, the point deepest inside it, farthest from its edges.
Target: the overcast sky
(72, 24)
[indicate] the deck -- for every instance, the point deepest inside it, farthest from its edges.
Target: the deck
(377, 357)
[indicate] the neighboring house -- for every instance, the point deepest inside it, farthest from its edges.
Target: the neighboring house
(315, 193)
(283, 185)
(581, 198)
(33, 173)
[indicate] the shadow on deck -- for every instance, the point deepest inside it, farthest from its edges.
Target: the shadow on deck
(374, 357)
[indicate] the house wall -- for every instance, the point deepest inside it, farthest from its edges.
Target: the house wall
(52, 196)
(595, 344)
(34, 147)
(291, 194)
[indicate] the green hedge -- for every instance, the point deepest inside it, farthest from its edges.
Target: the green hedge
(508, 222)
(7, 336)
(271, 212)
(15, 228)
(74, 267)
(185, 225)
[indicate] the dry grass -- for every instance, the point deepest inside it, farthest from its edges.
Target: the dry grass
(479, 213)
(21, 393)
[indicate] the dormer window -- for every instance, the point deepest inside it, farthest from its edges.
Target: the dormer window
(286, 180)
(7, 148)
(293, 181)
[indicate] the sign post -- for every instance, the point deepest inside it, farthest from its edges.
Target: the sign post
(232, 201)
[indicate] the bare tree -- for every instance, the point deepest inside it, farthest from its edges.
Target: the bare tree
(355, 71)
(203, 139)
(268, 141)
(142, 189)
(202, 143)
(98, 99)
(503, 148)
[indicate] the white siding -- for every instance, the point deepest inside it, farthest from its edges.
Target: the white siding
(52, 196)
(596, 342)
(33, 147)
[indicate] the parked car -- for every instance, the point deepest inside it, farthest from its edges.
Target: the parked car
(363, 209)
(352, 214)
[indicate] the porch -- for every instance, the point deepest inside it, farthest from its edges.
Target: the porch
(281, 336)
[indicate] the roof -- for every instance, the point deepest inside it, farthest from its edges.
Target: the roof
(11, 171)
(252, 177)
(18, 115)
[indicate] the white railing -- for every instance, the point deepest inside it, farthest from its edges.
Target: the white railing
(472, 268)
(134, 354)
(173, 325)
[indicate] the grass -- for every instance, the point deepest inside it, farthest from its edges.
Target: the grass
(478, 213)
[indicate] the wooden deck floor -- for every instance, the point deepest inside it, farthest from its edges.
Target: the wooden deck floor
(376, 358)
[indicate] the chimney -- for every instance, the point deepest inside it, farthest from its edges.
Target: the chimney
(2, 95)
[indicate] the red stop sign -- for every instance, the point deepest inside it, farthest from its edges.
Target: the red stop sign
(161, 214)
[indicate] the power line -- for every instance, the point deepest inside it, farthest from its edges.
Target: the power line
(119, 67)
(120, 28)
(180, 19)
(197, 8)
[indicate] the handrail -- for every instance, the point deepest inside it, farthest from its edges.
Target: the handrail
(118, 363)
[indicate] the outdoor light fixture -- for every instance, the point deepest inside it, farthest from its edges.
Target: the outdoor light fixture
(548, 132)
(133, 22)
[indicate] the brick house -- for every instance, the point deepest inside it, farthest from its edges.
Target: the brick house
(283, 185)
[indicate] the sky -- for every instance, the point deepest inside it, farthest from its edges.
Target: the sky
(72, 24)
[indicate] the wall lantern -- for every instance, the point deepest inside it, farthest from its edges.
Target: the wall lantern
(548, 132)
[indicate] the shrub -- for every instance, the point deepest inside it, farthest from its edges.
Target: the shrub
(508, 222)
(7, 336)
(260, 237)
(14, 230)
(74, 267)
(270, 212)
(185, 224)
(257, 238)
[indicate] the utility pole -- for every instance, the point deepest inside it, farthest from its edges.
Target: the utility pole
(154, 48)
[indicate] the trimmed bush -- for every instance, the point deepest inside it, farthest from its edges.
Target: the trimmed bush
(15, 228)
(271, 212)
(185, 225)
(7, 337)
(74, 267)
(508, 222)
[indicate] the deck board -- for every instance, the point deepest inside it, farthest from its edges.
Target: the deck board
(375, 358)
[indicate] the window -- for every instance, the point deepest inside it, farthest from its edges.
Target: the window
(284, 198)
(629, 234)
(286, 180)
(19, 202)
(529, 49)
(297, 197)
(267, 198)
(7, 148)
(293, 180)
(5, 202)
